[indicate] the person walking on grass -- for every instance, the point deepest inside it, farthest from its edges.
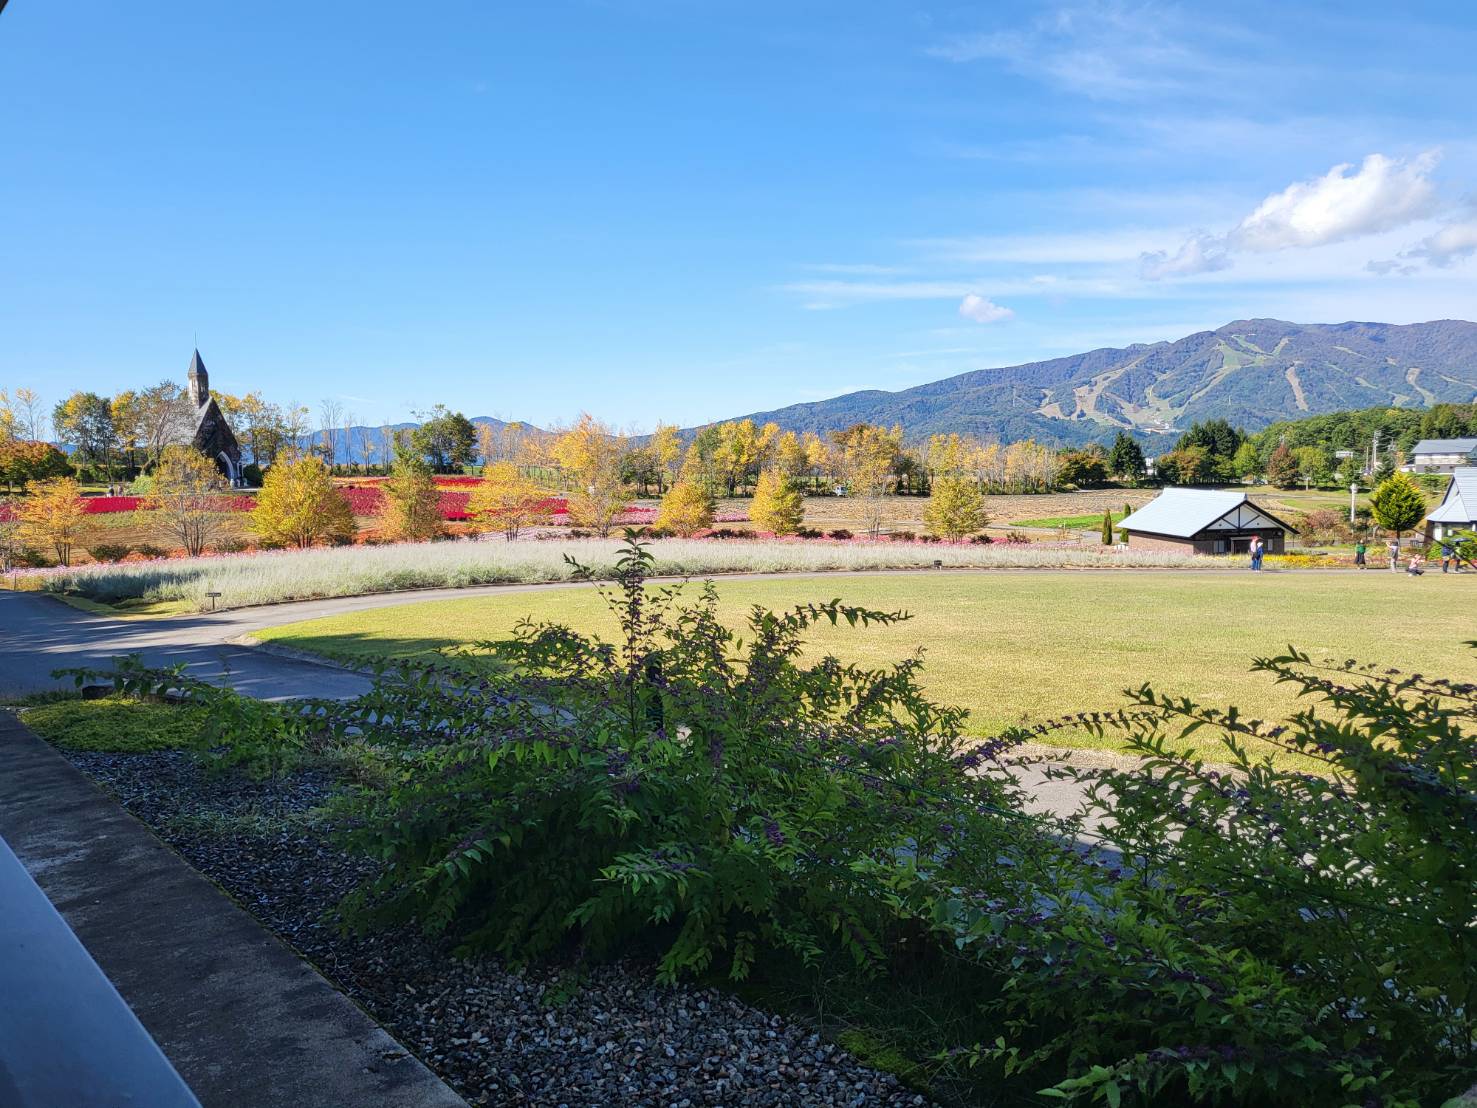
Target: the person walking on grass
(1257, 549)
(1359, 551)
(1448, 555)
(1394, 552)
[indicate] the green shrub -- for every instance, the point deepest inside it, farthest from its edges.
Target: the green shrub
(109, 551)
(149, 550)
(1277, 937)
(676, 791)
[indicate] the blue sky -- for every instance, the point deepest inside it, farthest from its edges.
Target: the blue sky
(686, 210)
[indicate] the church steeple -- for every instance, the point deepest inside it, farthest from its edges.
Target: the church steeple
(199, 381)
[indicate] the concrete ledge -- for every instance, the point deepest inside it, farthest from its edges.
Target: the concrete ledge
(245, 1021)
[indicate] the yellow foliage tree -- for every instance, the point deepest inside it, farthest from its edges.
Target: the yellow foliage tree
(188, 502)
(53, 515)
(956, 508)
(589, 454)
(412, 508)
(299, 506)
(666, 452)
(686, 509)
(778, 505)
(866, 460)
(790, 455)
(508, 501)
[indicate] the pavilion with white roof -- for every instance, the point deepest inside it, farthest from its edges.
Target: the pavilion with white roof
(1204, 521)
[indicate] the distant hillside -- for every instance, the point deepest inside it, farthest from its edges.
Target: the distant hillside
(1252, 372)
(350, 447)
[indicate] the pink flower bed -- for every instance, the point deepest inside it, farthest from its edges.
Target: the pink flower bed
(101, 505)
(449, 482)
(370, 501)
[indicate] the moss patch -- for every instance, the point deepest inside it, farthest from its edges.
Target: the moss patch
(115, 725)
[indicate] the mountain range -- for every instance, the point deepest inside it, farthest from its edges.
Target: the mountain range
(1251, 372)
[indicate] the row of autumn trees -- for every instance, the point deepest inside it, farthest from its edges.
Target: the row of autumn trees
(189, 505)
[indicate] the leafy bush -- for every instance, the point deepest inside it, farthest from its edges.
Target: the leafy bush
(1324, 526)
(231, 545)
(677, 790)
(149, 550)
(31, 558)
(840, 533)
(109, 552)
(1276, 937)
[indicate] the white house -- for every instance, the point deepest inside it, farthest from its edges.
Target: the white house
(1458, 508)
(1441, 455)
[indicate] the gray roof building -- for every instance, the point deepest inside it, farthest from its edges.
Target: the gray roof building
(1458, 508)
(1208, 521)
(1441, 455)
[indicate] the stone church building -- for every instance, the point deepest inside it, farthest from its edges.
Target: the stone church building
(213, 436)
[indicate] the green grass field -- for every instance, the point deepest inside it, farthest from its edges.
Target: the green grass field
(1016, 647)
(1074, 523)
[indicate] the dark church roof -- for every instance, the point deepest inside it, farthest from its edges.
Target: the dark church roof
(197, 367)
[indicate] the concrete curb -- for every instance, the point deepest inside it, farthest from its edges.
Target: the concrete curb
(246, 1022)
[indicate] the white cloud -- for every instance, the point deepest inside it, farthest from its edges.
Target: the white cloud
(1382, 194)
(828, 294)
(1201, 253)
(977, 308)
(858, 269)
(1452, 243)
(1107, 50)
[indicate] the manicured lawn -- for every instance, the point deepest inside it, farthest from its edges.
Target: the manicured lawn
(1025, 646)
(1076, 523)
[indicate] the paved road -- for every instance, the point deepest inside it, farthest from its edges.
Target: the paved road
(39, 634)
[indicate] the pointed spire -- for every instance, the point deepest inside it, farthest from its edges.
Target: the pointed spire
(199, 381)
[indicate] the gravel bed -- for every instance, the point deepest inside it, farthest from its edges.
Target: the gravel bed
(497, 1035)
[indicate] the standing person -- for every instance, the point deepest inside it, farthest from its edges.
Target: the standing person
(1448, 555)
(1256, 552)
(1394, 552)
(1359, 551)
